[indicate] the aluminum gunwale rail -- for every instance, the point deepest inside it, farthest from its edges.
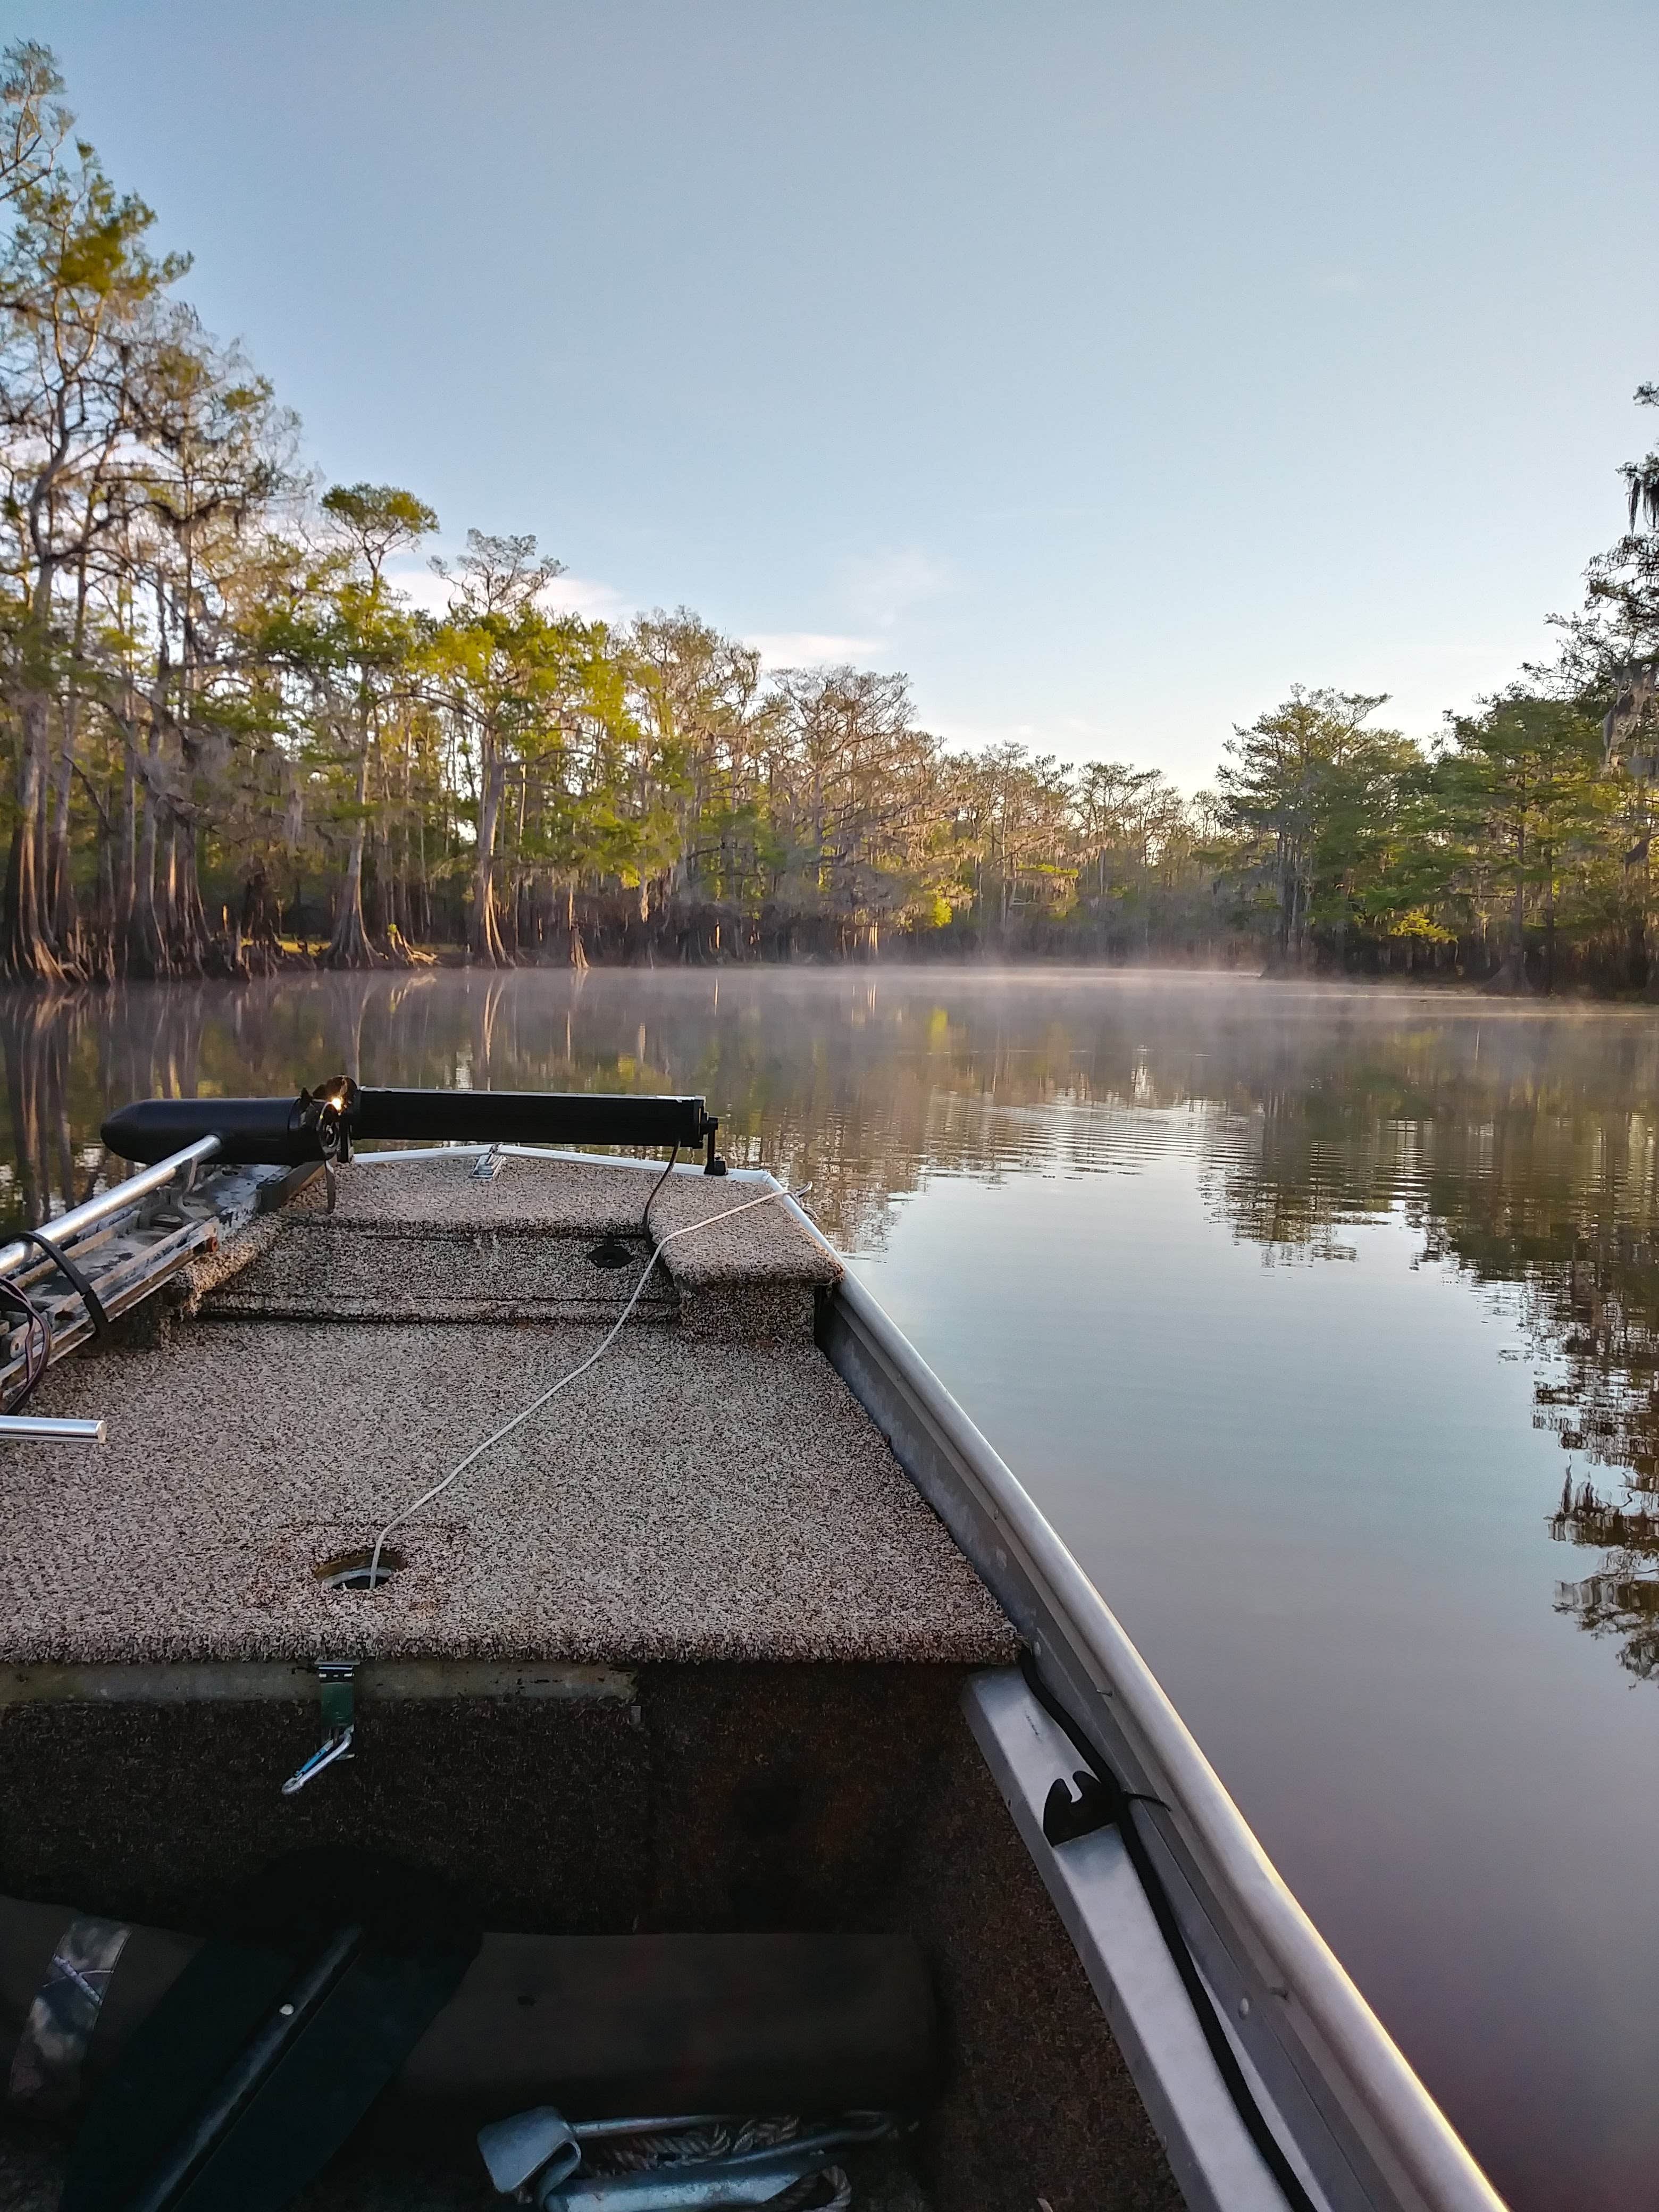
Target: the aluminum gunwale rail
(116, 1198)
(1417, 2132)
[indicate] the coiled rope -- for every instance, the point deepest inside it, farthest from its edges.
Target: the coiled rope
(721, 2139)
(724, 2139)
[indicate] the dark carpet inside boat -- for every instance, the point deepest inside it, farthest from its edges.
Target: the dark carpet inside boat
(813, 1799)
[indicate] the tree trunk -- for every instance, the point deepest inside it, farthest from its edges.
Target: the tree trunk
(29, 956)
(64, 923)
(1644, 968)
(1510, 981)
(101, 952)
(389, 873)
(125, 849)
(576, 952)
(349, 946)
(421, 914)
(145, 953)
(486, 938)
(187, 916)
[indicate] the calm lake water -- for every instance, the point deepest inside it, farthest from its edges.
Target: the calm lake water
(1296, 1308)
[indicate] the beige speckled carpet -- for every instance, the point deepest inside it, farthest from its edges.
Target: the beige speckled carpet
(703, 1493)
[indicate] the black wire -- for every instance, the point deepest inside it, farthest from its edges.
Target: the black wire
(646, 1223)
(1122, 1802)
(36, 1324)
(72, 1275)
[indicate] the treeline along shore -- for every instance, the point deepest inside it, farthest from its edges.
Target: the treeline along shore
(240, 743)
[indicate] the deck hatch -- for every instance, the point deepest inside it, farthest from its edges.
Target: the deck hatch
(359, 1571)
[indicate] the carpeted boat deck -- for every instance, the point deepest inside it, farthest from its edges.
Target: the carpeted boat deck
(709, 1491)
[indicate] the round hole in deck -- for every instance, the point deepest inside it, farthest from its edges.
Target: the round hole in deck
(356, 1571)
(612, 1253)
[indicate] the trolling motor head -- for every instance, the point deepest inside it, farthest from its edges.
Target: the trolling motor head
(326, 1115)
(322, 1126)
(317, 1126)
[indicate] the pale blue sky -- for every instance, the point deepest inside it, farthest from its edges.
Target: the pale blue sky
(1110, 368)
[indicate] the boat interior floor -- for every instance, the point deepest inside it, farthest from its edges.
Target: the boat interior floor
(685, 1653)
(814, 1799)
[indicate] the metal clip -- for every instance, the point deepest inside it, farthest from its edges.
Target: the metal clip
(334, 1677)
(539, 2142)
(488, 1165)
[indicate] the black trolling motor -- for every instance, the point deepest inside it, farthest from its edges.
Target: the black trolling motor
(324, 1124)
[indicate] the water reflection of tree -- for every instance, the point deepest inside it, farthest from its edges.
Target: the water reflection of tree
(1530, 1164)
(37, 1041)
(1620, 1598)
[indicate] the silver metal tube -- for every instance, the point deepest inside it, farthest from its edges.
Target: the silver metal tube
(1409, 2121)
(414, 1153)
(116, 1200)
(49, 1431)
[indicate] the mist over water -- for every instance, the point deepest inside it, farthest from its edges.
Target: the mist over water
(1324, 1323)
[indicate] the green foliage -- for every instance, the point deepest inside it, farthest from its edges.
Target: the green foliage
(220, 695)
(1313, 800)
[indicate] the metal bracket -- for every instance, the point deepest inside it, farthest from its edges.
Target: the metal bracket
(488, 1165)
(1097, 1806)
(334, 1678)
(516, 2150)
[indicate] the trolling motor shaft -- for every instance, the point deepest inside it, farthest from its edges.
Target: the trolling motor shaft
(325, 1124)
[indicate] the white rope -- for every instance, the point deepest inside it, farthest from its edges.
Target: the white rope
(695, 2146)
(564, 1381)
(640, 2153)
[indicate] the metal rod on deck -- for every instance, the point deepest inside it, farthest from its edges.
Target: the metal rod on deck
(115, 1200)
(48, 1430)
